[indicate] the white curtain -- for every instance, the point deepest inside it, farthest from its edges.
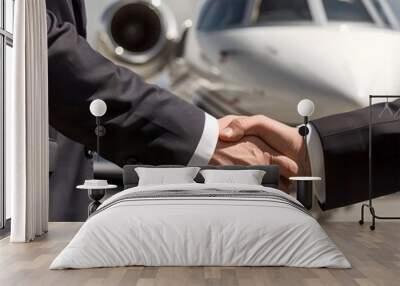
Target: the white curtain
(27, 124)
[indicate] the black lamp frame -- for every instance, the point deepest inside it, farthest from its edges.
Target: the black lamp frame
(100, 131)
(304, 131)
(369, 205)
(96, 195)
(304, 187)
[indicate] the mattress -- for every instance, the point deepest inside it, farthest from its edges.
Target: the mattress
(201, 225)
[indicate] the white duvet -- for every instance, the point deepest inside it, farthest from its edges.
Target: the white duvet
(202, 231)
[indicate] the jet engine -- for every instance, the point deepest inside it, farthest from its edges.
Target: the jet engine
(139, 34)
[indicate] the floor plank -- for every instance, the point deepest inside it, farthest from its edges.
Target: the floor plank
(375, 257)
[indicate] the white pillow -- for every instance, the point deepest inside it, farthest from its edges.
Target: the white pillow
(245, 177)
(166, 176)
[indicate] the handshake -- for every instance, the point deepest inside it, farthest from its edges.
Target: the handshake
(259, 140)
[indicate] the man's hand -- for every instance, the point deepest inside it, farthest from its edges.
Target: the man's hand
(283, 145)
(259, 140)
(251, 150)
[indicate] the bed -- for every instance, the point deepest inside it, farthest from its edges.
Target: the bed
(201, 224)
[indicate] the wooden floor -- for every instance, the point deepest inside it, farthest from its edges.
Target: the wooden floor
(375, 257)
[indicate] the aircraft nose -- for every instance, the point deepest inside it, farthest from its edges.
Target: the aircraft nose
(363, 64)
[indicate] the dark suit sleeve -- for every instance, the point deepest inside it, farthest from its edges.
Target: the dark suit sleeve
(345, 142)
(144, 123)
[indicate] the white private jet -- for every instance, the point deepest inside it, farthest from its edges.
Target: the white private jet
(261, 56)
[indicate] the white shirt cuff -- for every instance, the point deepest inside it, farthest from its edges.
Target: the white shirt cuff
(208, 141)
(316, 156)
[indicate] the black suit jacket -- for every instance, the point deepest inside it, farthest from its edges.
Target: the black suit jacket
(345, 141)
(144, 123)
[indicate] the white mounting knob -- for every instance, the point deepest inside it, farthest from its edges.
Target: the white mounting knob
(305, 108)
(98, 108)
